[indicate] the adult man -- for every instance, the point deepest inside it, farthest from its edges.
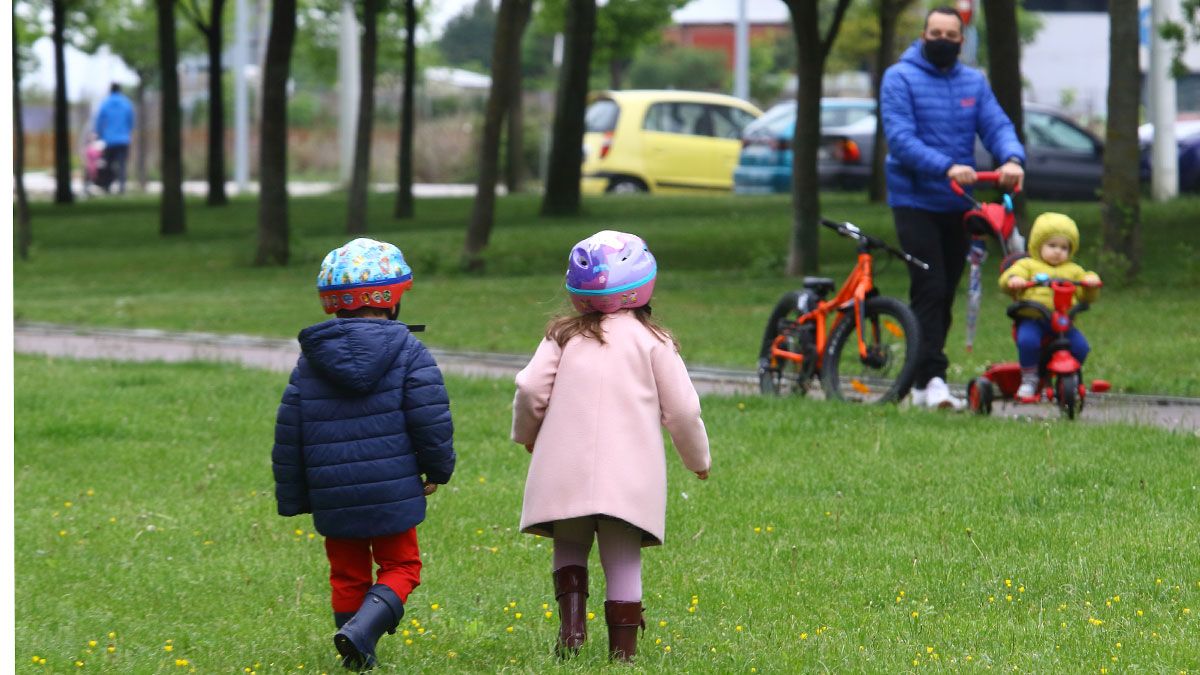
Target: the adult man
(932, 108)
(114, 125)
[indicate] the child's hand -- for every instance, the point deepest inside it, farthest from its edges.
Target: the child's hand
(529, 448)
(1091, 279)
(1016, 283)
(430, 488)
(702, 475)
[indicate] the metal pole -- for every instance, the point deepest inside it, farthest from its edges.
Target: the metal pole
(741, 54)
(348, 90)
(241, 99)
(1164, 157)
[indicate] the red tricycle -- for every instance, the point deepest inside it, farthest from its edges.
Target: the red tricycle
(1059, 372)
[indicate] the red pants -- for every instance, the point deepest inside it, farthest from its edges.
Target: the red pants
(399, 562)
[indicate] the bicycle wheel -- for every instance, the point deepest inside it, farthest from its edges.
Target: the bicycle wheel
(886, 374)
(1067, 393)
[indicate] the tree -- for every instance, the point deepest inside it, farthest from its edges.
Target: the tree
(1004, 59)
(467, 38)
(171, 218)
(811, 52)
(62, 129)
(273, 196)
(213, 32)
(404, 159)
(506, 67)
(356, 213)
(671, 66)
(514, 165)
(889, 12)
(1120, 208)
(24, 228)
(625, 26)
(562, 182)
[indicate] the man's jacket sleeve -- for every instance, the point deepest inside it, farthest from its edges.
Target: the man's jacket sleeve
(427, 414)
(996, 130)
(287, 456)
(899, 125)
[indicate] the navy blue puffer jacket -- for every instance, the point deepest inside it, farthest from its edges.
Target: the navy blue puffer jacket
(363, 417)
(930, 118)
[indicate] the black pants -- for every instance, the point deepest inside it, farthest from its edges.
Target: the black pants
(116, 157)
(940, 240)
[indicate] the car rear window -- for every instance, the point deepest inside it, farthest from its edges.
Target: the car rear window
(840, 116)
(601, 116)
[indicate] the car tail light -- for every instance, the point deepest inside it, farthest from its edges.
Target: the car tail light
(606, 144)
(846, 150)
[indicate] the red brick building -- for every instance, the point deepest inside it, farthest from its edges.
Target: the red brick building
(711, 24)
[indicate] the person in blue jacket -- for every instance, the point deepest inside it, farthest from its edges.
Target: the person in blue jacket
(114, 126)
(932, 108)
(362, 437)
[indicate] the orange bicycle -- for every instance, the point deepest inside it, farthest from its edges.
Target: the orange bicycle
(801, 342)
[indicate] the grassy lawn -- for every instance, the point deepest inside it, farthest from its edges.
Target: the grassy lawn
(103, 263)
(830, 538)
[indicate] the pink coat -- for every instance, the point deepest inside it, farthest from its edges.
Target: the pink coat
(594, 414)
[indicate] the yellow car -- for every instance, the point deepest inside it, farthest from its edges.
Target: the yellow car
(662, 141)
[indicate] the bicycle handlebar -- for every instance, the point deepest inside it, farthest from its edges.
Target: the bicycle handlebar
(981, 177)
(851, 231)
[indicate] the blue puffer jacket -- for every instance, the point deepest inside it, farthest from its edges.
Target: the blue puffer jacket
(363, 417)
(930, 119)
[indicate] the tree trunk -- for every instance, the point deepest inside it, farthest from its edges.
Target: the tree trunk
(514, 168)
(360, 177)
(1004, 70)
(62, 130)
(811, 53)
(216, 108)
(1120, 187)
(616, 72)
(562, 179)
(24, 229)
(404, 173)
(506, 65)
(889, 13)
(171, 214)
(142, 141)
(273, 196)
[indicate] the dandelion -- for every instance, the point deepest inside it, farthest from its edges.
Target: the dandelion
(929, 650)
(1008, 583)
(408, 641)
(545, 605)
(181, 662)
(509, 629)
(112, 649)
(991, 598)
(916, 614)
(518, 615)
(1158, 582)
(1020, 589)
(804, 636)
(482, 480)
(512, 603)
(299, 532)
(112, 519)
(591, 616)
(90, 492)
(67, 505)
(738, 628)
(692, 609)
(741, 406)
(479, 531)
(405, 633)
(695, 599)
(1187, 610)
(662, 624)
(1116, 598)
(1008, 597)
(757, 530)
(415, 623)
(451, 654)
(62, 533)
(1118, 645)
(79, 664)
(547, 614)
(91, 643)
(1140, 613)
(770, 528)
(168, 648)
(658, 641)
(35, 658)
(667, 649)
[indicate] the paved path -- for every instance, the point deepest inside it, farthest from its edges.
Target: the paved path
(145, 344)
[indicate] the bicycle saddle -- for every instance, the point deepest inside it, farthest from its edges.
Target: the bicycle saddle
(820, 285)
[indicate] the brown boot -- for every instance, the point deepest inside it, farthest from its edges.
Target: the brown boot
(570, 589)
(623, 618)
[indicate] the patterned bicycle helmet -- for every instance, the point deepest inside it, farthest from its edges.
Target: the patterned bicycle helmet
(363, 273)
(610, 271)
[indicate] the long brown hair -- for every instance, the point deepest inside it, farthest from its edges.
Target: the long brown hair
(561, 329)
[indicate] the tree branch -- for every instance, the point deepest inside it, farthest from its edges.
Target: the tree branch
(835, 25)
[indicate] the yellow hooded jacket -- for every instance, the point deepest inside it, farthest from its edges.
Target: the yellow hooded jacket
(1048, 225)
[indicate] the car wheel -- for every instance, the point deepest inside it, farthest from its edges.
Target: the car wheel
(626, 186)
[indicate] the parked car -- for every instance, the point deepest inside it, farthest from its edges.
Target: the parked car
(766, 161)
(1064, 160)
(1187, 140)
(662, 141)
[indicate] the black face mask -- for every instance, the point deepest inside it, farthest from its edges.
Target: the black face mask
(942, 53)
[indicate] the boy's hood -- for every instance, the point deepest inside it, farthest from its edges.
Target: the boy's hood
(353, 353)
(1052, 225)
(916, 56)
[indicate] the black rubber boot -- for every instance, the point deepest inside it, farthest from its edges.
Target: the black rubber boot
(340, 618)
(380, 613)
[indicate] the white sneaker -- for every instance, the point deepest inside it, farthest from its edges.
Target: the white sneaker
(1026, 390)
(937, 395)
(918, 396)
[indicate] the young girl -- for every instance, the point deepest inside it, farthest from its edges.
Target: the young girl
(589, 407)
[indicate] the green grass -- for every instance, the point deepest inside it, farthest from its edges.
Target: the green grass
(838, 538)
(103, 263)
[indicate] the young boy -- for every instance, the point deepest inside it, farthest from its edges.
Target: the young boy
(363, 435)
(1052, 241)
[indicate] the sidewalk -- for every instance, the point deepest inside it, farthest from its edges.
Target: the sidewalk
(41, 185)
(144, 344)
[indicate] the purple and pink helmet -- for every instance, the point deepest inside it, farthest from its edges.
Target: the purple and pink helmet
(609, 271)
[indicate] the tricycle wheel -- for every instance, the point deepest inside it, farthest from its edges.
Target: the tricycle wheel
(980, 395)
(1066, 390)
